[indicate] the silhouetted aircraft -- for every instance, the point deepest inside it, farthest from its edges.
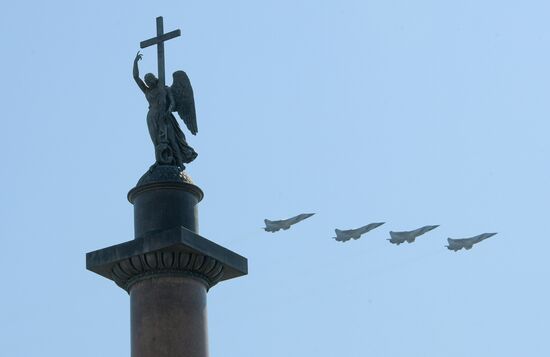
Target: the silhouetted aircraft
(466, 243)
(344, 236)
(274, 226)
(409, 236)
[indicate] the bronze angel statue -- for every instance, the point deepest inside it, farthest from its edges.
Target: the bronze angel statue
(171, 148)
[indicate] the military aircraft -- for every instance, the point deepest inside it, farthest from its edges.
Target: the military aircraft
(344, 236)
(409, 236)
(274, 226)
(466, 243)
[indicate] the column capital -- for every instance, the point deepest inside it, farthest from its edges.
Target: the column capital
(172, 252)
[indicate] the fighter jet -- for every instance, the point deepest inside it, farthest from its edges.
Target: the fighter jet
(344, 236)
(466, 243)
(409, 236)
(274, 226)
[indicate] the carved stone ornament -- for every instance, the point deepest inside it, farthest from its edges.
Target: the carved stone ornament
(167, 263)
(172, 252)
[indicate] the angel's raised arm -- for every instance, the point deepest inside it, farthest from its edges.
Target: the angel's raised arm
(138, 80)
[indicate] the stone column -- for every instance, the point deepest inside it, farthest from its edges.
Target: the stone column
(168, 268)
(168, 317)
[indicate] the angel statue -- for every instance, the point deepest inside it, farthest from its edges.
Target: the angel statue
(171, 148)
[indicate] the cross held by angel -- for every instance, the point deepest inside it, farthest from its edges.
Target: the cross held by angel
(171, 147)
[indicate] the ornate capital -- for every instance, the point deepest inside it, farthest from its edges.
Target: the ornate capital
(172, 252)
(167, 263)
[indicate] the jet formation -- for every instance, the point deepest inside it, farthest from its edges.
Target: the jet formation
(396, 238)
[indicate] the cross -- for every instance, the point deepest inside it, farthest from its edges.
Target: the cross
(159, 41)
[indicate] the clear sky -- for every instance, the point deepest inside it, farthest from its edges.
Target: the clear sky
(407, 112)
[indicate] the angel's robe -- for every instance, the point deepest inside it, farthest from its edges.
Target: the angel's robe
(171, 148)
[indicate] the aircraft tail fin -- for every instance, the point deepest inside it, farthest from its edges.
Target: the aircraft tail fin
(269, 226)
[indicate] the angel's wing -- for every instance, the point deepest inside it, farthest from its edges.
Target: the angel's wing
(184, 100)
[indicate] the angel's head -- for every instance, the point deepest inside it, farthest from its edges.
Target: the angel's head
(150, 80)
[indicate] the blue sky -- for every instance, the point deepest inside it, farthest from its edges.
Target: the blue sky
(412, 113)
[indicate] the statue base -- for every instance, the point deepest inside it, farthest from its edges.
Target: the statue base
(164, 173)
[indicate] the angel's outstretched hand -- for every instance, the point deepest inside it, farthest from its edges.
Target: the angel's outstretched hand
(139, 56)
